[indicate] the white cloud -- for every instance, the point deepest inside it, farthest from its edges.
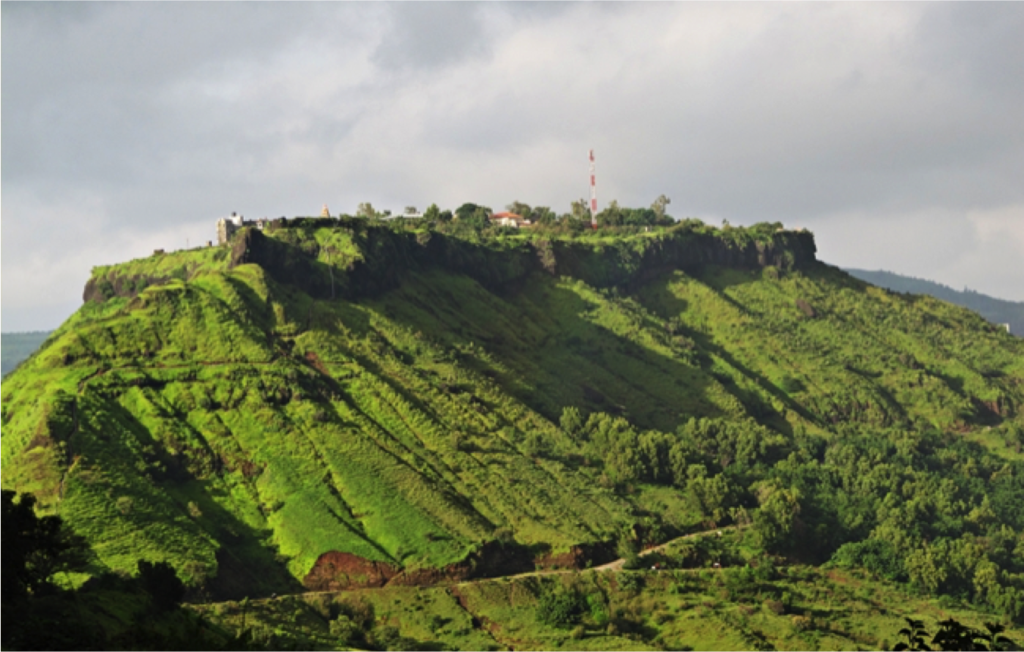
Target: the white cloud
(48, 256)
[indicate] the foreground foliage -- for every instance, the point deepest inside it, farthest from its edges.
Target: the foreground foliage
(43, 610)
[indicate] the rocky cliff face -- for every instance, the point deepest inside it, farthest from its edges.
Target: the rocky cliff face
(388, 255)
(292, 254)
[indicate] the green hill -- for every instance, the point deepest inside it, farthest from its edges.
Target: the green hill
(995, 310)
(340, 403)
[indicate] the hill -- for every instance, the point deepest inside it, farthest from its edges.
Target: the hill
(334, 404)
(16, 347)
(997, 311)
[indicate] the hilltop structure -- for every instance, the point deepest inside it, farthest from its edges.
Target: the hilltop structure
(226, 226)
(509, 219)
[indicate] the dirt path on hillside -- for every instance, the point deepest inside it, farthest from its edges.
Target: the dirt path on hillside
(618, 564)
(614, 566)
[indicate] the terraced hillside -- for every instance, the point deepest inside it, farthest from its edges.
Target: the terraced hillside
(338, 404)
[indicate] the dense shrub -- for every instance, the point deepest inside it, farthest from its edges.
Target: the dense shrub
(561, 608)
(879, 557)
(161, 582)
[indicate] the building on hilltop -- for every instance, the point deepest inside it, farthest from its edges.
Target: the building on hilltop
(226, 226)
(509, 219)
(324, 212)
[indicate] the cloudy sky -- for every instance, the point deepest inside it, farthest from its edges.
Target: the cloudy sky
(893, 131)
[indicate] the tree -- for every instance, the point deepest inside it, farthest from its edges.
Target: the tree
(537, 445)
(954, 635)
(465, 211)
(659, 206)
(775, 519)
(520, 209)
(560, 608)
(571, 422)
(365, 209)
(433, 213)
(628, 548)
(711, 496)
(162, 584)
(876, 555)
(612, 215)
(35, 548)
(390, 638)
(473, 214)
(994, 639)
(39, 615)
(914, 634)
(580, 210)
(543, 215)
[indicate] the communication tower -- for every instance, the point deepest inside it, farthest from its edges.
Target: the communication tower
(593, 193)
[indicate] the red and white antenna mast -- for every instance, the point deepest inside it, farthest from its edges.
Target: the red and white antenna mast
(593, 193)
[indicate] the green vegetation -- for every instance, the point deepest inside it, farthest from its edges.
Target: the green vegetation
(342, 403)
(44, 610)
(996, 311)
(748, 603)
(19, 346)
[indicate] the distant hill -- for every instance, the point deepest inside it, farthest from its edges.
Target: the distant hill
(17, 347)
(995, 310)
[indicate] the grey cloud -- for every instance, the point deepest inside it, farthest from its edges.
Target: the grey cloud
(978, 43)
(831, 146)
(146, 120)
(87, 84)
(428, 35)
(434, 34)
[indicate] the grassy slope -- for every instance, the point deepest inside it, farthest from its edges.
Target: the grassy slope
(997, 311)
(223, 418)
(867, 354)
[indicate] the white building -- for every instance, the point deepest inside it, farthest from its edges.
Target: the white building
(226, 226)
